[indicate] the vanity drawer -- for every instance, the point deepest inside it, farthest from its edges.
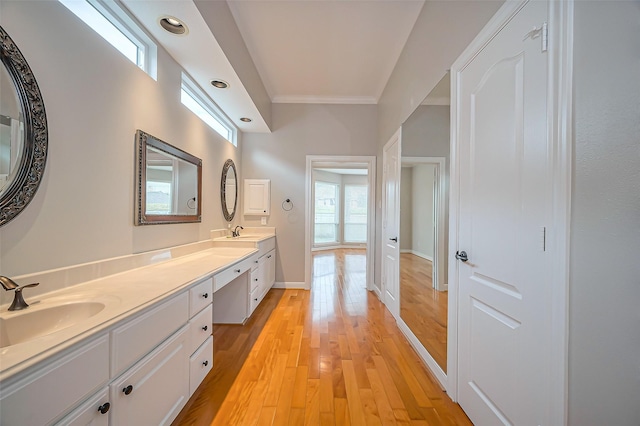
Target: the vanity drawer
(200, 296)
(254, 300)
(201, 363)
(45, 395)
(200, 328)
(136, 338)
(254, 279)
(225, 277)
(88, 413)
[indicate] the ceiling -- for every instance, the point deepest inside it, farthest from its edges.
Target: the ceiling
(325, 51)
(305, 51)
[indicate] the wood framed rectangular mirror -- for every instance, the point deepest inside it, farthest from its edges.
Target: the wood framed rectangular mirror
(168, 183)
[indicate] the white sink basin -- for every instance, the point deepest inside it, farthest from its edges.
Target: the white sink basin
(36, 321)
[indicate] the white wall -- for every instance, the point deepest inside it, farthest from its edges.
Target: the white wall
(406, 208)
(604, 293)
(422, 240)
(95, 100)
(300, 130)
(416, 210)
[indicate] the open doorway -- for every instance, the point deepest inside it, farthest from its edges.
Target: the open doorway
(340, 214)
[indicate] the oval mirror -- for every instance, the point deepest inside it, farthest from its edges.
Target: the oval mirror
(23, 131)
(229, 190)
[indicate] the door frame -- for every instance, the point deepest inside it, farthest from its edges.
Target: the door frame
(336, 161)
(559, 137)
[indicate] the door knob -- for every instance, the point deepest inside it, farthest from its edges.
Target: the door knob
(462, 255)
(394, 239)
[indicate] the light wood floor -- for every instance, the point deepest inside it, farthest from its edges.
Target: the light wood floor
(329, 356)
(423, 308)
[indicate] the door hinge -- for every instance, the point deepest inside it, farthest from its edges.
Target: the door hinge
(545, 37)
(543, 238)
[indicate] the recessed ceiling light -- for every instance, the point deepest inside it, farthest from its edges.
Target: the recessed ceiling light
(173, 25)
(246, 119)
(219, 84)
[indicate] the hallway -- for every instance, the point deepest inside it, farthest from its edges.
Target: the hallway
(330, 356)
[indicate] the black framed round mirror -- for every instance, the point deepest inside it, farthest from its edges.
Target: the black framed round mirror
(229, 190)
(23, 131)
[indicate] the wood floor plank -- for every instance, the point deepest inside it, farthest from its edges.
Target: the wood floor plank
(380, 397)
(266, 416)
(312, 403)
(329, 356)
(353, 395)
(285, 399)
(298, 399)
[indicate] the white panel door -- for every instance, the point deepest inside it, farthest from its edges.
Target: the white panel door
(391, 224)
(504, 296)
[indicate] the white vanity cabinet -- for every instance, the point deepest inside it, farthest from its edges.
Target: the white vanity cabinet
(263, 273)
(200, 329)
(153, 391)
(42, 396)
(140, 372)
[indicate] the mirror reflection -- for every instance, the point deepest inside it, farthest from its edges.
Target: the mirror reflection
(229, 190)
(424, 222)
(168, 183)
(11, 129)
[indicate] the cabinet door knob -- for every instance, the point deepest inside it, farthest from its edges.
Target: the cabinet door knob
(104, 408)
(256, 299)
(269, 257)
(257, 261)
(205, 363)
(255, 279)
(128, 390)
(205, 328)
(205, 295)
(237, 271)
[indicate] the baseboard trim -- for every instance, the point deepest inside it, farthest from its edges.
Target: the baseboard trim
(290, 284)
(417, 253)
(424, 355)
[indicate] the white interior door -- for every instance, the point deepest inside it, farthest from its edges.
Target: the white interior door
(391, 224)
(504, 202)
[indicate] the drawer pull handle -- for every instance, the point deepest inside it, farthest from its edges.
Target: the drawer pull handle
(128, 390)
(255, 279)
(257, 261)
(237, 271)
(205, 363)
(206, 295)
(205, 328)
(104, 408)
(256, 299)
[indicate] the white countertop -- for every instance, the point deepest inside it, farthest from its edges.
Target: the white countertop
(123, 295)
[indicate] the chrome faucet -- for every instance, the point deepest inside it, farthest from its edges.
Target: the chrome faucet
(18, 300)
(235, 232)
